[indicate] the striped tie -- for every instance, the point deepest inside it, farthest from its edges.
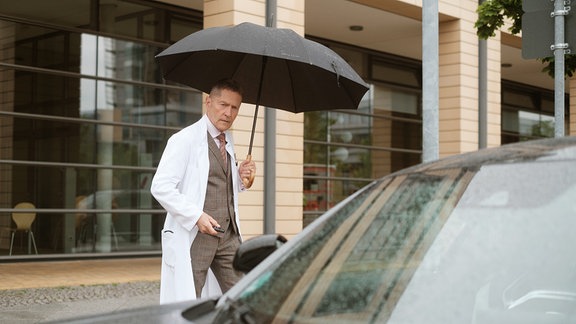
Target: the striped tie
(222, 138)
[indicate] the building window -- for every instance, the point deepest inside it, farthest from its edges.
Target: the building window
(527, 113)
(345, 150)
(85, 116)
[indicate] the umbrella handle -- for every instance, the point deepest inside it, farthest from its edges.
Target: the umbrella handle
(248, 181)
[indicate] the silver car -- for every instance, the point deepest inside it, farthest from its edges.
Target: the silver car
(483, 237)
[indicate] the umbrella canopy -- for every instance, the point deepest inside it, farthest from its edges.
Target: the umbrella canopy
(276, 67)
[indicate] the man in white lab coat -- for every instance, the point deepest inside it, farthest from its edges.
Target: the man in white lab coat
(198, 186)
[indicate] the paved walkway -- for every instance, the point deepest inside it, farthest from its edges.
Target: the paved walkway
(77, 273)
(36, 292)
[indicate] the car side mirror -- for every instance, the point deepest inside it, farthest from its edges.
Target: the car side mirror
(253, 251)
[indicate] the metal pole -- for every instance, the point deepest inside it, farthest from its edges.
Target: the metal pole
(430, 121)
(482, 92)
(270, 147)
(559, 46)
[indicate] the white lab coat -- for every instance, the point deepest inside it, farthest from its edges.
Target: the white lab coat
(179, 185)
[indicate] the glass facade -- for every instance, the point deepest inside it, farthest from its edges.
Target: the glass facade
(528, 113)
(84, 119)
(345, 150)
(85, 115)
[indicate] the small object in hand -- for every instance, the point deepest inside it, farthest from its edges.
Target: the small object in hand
(218, 229)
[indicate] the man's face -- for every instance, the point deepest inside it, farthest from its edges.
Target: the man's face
(222, 109)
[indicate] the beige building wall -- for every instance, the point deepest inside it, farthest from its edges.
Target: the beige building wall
(458, 74)
(458, 89)
(289, 126)
(494, 93)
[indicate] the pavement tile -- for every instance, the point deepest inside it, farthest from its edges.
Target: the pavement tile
(20, 275)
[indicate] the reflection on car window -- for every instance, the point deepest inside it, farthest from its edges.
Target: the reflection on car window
(361, 260)
(266, 295)
(506, 244)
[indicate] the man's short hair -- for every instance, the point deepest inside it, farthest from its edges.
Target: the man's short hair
(226, 84)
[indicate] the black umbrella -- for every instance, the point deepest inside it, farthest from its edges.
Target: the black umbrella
(276, 67)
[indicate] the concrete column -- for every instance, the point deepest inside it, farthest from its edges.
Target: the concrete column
(106, 134)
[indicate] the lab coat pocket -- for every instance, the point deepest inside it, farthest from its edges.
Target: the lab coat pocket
(168, 248)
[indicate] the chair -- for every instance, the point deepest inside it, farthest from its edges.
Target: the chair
(24, 222)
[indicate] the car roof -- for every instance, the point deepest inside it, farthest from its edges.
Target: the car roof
(552, 149)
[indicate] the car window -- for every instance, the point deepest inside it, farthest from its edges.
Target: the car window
(272, 287)
(357, 264)
(455, 246)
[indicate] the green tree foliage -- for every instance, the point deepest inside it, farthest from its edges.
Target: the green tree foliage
(491, 17)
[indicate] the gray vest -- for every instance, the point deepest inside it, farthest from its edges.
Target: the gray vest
(219, 202)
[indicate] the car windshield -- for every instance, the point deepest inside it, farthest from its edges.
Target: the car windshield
(450, 246)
